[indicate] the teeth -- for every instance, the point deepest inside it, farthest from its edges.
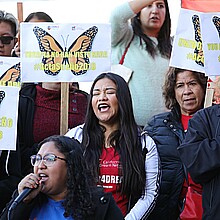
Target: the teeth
(42, 175)
(103, 106)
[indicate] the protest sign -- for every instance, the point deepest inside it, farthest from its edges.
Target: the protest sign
(187, 52)
(197, 42)
(10, 71)
(54, 52)
(210, 30)
(9, 93)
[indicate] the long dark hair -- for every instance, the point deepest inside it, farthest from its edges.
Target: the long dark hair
(170, 83)
(125, 140)
(40, 16)
(80, 185)
(164, 38)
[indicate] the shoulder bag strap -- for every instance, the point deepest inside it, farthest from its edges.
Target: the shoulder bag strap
(126, 50)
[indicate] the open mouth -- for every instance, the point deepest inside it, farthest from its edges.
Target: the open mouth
(43, 177)
(103, 107)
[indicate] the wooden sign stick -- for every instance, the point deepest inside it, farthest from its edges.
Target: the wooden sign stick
(64, 107)
(20, 11)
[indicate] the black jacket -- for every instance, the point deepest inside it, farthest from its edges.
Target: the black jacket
(25, 125)
(167, 131)
(200, 152)
(10, 175)
(106, 208)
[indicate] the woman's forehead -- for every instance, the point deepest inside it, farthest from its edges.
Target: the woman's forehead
(48, 147)
(104, 83)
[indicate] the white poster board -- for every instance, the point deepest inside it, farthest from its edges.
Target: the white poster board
(55, 52)
(9, 95)
(187, 52)
(210, 29)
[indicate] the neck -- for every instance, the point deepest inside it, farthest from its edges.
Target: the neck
(58, 197)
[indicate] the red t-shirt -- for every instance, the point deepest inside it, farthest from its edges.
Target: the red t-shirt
(109, 176)
(197, 187)
(185, 121)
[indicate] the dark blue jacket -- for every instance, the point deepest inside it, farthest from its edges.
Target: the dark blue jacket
(200, 152)
(167, 131)
(105, 208)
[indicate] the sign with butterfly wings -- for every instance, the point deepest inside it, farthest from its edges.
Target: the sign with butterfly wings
(9, 93)
(10, 73)
(54, 52)
(187, 52)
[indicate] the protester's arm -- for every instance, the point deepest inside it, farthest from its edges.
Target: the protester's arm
(138, 5)
(200, 151)
(122, 31)
(145, 205)
(76, 133)
(120, 20)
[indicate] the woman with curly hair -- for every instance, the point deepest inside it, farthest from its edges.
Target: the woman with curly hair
(184, 94)
(123, 160)
(62, 186)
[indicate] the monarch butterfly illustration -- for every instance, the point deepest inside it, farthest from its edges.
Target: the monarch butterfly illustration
(198, 50)
(65, 56)
(216, 21)
(12, 74)
(2, 96)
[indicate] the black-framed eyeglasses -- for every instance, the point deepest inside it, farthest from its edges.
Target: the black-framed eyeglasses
(48, 159)
(6, 39)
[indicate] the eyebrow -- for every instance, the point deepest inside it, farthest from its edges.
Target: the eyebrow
(108, 88)
(181, 82)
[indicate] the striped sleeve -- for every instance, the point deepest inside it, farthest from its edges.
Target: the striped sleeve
(145, 205)
(76, 133)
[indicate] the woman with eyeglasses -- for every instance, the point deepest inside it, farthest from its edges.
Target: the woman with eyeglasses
(62, 186)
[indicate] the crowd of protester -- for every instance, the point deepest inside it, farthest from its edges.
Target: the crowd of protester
(142, 149)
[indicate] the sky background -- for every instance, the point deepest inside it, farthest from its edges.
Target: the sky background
(75, 11)
(79, 11)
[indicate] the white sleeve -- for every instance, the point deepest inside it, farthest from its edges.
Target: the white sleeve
(76, 133)
(145, 205)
